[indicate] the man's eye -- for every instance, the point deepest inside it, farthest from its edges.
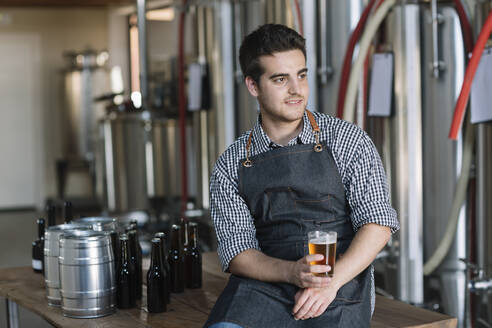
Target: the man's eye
(279, 80)
(302, 76)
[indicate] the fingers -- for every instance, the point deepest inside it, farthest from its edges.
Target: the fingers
(321, 310)
(304, 308)
(319, 268)
(303, 296)
(313, 258)
(310, 304)
(311, 313)
(298, 295)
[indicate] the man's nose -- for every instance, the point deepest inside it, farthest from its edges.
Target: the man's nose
(294, 87)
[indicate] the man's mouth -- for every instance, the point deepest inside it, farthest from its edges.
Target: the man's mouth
(294, 101)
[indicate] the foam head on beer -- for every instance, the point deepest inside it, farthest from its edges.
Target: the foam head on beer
(324, 243)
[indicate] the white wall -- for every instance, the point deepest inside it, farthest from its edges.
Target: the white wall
(57, 30)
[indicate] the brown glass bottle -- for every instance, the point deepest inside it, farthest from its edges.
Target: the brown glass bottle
(193, 259)
(125, 278)
(68, 209)
(51, 214)
(134, 226)
(38, 249)
(165, 263)
(156, 280)
(115, 245)
(184, 234)
(136, 258)
(176, 260)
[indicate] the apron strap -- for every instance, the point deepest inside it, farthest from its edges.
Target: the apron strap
(317, 147)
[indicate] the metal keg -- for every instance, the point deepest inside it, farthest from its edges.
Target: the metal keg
(51, 253)
(99, 223)
(87, 275)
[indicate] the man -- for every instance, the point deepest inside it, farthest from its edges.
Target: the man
(295, 171)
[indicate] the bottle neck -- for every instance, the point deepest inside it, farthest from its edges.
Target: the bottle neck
(124, 250)
(155, 255)
(184, 233)
(194, 237)
(132, 241)
(163, 244)
(68, 212)
(176, 239)
(40, 228)
(51, 216)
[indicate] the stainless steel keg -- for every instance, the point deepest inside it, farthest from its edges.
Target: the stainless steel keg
(51, 253)
(99, 223)
(87, 275)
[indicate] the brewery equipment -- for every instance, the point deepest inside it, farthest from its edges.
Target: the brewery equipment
(51, 253)
(87, 275)
(141, 162)
(482, 296)
(85, 79)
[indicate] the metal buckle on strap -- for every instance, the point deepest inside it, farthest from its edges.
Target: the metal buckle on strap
(317, 146)
(247, 163)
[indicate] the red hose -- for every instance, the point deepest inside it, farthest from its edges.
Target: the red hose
(299, 17)
(459, 111)
(182, 111)
(465, 26)
(347, 61)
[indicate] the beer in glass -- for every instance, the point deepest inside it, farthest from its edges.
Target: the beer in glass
(324, 243)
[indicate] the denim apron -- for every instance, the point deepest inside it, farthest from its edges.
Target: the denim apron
(290, 191)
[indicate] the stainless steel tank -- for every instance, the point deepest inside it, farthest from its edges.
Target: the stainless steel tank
(87, 275)
(51, 253)
(483, 298)
(402, 149)
(140, 154)
(442, 156)
(85, 79)
(336, 21)
(422, 163)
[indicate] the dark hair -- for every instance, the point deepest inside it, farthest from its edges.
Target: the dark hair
(266, 40)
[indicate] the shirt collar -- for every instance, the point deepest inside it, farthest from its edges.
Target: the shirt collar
(264, 143)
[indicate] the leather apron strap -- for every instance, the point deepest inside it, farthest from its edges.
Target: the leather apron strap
(317, 146)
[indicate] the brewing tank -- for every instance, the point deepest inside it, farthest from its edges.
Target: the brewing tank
(483, 245)
(336, 21)
(85, 79)
(140, 153)
(442, 156)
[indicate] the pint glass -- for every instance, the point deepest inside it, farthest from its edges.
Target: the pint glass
(324, 243)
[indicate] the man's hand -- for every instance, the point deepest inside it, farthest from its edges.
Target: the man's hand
(302, 273)
(312, 302)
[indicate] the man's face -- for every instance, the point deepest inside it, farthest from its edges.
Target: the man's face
(282, 91)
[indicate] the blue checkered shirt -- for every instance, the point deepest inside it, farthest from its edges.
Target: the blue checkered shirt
(358, 163)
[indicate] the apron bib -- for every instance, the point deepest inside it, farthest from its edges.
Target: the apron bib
(290, 191)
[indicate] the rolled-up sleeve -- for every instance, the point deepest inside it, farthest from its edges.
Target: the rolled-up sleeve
(231, 217)
(367, 188)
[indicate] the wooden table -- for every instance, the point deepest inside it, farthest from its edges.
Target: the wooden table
(190, 309)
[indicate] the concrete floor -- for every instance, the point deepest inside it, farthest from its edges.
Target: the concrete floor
(18, 231)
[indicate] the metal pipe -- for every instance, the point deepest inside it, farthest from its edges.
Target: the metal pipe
(324, 70)
(309, 28)
(237, 42)
(480, 285)
(142, 51)
(436, 64)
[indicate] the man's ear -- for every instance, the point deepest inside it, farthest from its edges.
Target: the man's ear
(251, 85)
